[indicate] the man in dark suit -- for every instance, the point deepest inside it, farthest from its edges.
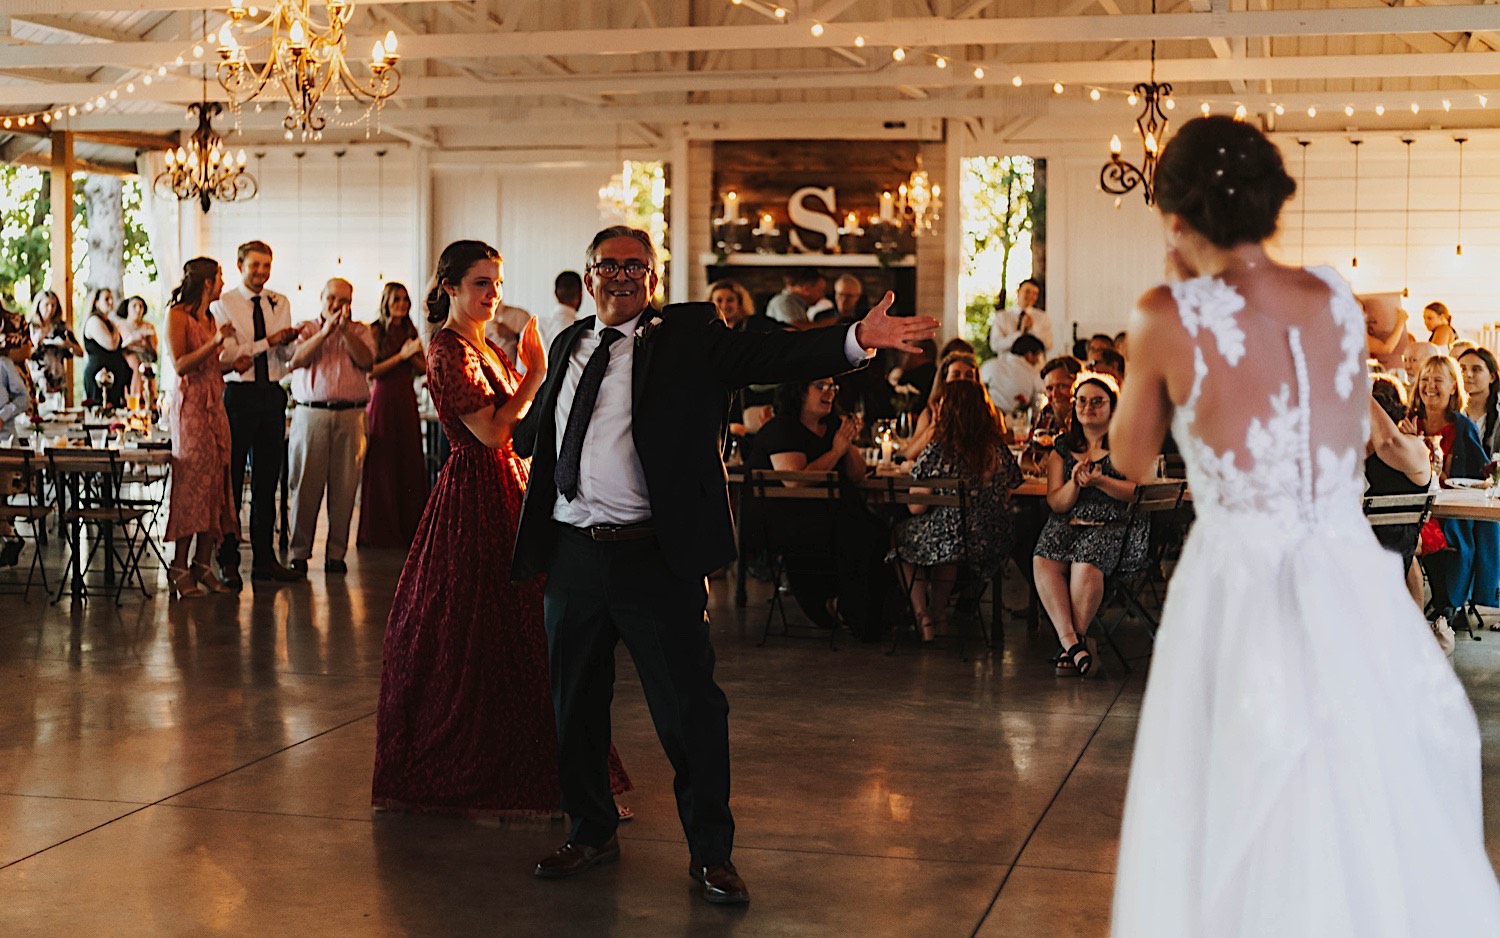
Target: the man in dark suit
(627, 512)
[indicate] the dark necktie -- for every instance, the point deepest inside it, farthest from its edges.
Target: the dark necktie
(570, 456)
(262, 363)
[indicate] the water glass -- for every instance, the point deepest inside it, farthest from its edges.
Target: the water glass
(97, 437)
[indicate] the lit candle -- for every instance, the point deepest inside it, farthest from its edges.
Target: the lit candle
(1114, 144)
(731, 207)
(766, 223)
(887, 206)
(887, 449)
(850, 222)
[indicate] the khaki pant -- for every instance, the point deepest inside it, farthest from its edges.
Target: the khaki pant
(324, 451)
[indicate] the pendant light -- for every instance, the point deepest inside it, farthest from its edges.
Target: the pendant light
(1459, 248)
(1406, 222)
(338, 217)
(380, 214)
(299, 154)
(1302, 245)
(1354, 261)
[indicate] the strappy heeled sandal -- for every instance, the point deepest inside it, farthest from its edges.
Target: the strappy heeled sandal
(1078, 656)
(183, 584)
(204, 574)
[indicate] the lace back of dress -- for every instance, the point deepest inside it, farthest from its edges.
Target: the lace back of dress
(1277, 417)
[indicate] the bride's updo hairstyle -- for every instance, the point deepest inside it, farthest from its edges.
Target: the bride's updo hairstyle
(454, 263)
(1225, 179)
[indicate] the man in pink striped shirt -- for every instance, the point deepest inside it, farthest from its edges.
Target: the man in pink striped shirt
(330, 386)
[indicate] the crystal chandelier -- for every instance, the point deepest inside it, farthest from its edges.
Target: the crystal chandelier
(1118, 177)
(305, 58)
(921, 198)
(205, 169)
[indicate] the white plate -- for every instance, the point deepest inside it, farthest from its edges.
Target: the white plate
(1468, 483)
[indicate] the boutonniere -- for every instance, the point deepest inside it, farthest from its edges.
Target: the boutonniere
(644, 330)
(272, 300)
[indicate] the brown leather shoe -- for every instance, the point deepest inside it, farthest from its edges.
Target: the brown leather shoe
(571, 859)
(721, 884)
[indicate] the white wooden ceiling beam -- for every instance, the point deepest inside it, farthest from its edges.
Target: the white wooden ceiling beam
(1098, 72)
(910, 32)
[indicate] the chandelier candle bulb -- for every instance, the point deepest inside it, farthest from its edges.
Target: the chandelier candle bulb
(390, 46)
(1131, 99)
(1114, 144)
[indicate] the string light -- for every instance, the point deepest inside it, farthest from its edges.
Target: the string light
(1415, 107)
(1312, 110)
(979, 73)
(1205, 108)
(817, 30)
(1380, 110)
(1057, 87)
(1094, 94)
(1015, 80)
(899, 54)
(1280, 110)
(1447, 105)
(780, 13)
(49, 115)
(1348, 110)
(859, 42)
(1171, 105)
(942, 62)
(1240, 113)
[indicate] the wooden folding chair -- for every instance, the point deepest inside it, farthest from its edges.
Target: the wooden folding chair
(22, 501)
(1124, 587)
(768, 492)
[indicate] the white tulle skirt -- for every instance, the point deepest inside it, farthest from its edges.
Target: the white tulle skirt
(1307, 763)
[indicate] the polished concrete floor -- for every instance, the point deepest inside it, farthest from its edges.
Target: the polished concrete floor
(202, 767)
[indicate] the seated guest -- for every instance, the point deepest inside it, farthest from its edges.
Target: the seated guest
(804, 287)
(1396, 463)
(1120, 339)
(966, 444)
(806, 435)
(848, 299)
(1099, 342)
(1482, 385)
(1469, 570)
(1108, 362)
(1011, 377)
(1086, 538)
(956, 366)
(1058, 376)
(1412, 360)
(956, 345)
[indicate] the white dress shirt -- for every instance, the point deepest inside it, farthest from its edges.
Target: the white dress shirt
(15, 397)
(1004, 328)
(1010, 378)
(234, 306)
(611, 481)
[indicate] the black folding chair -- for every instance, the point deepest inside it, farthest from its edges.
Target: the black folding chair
(1123, 588)
(88, 491)
(22, 501)
(966, 601)
(1414, 509)
(770, 492)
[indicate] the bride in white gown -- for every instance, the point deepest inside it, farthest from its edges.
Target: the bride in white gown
(1307, 763)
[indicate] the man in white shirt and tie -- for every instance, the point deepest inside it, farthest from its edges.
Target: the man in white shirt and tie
(627, 511)
(1020, 319)
(257, 355)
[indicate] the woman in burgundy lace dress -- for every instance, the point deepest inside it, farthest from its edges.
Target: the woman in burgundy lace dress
(394, 487)
(465, 724)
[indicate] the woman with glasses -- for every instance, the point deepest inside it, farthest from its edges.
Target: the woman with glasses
(808, 435)
(1086, 537)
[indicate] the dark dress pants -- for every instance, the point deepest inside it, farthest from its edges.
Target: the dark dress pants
(599, 594)
(257, 430)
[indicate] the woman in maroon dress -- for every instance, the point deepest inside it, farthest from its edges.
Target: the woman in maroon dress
(394, 487)
(465, 723)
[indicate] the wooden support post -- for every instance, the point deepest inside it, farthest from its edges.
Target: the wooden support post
(62, 234)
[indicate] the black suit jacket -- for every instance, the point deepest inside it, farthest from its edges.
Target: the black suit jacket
(685, 369)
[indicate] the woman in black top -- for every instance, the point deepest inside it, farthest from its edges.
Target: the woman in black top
(1396, 463)
(106, 352)
(835, 550)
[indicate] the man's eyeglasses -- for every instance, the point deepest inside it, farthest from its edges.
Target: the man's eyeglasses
(823, 386)
(609, 269)
(1089, 403)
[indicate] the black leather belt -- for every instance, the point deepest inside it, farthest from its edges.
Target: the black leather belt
(332, 405)
(617, 532)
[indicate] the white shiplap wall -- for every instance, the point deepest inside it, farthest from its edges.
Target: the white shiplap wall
(540, 218)
(344, 212)
(1101, 256)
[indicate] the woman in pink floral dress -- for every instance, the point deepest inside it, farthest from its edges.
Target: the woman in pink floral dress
(201, 505)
